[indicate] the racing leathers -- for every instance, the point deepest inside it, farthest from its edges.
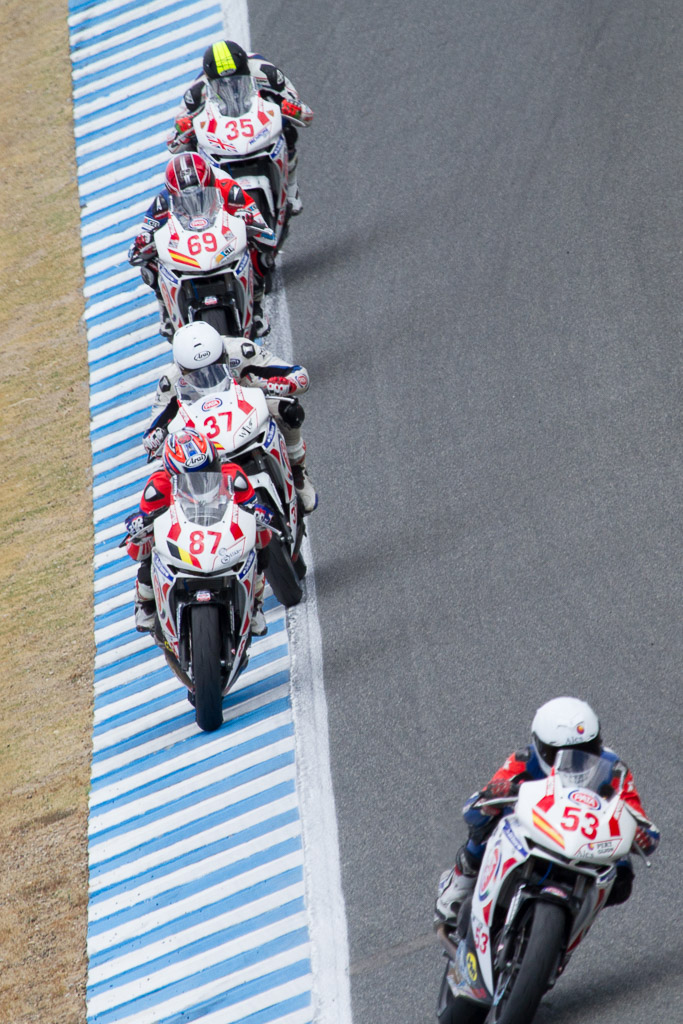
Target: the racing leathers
(524, 766)
(238, 203)
(156, 498)
(251, 365)
(274, 86)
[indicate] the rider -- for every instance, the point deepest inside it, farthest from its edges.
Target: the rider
(221, 61)
(198, 345)
(560, 723)
(188, 451)
(188, 177)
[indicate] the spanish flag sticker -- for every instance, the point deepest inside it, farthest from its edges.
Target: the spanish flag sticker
(224, 59)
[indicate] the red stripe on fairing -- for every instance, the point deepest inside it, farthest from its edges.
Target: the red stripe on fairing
(263, 117)
(508, 864)
(614, 829)
(486, 911)
(546, 803)
(174, 532)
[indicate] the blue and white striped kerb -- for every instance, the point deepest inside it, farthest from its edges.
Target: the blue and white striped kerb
(196, 906)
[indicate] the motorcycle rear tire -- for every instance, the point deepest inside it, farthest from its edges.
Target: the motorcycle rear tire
(216, 318)
(282, 575)
(538, 952)
(456, 1009)
(206, 666)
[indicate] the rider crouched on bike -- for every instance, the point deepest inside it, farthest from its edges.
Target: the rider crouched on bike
(223, 60)
(561, 723)
(198, 345)
(188, 451)
(190, 187)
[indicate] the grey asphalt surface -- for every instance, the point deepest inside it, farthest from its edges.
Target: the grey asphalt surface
(484, 286)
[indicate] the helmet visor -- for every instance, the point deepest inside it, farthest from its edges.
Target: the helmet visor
(206, 380)
(197, 208)
(233, 95)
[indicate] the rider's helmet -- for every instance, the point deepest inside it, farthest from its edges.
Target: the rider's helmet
(224, 59)
(564, 722)
(188, 451)
(229, 84)
(188, 176)
(197, 344)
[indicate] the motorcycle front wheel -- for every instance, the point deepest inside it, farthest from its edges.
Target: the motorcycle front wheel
(456, 1009)
(524, 979)
(282, 575)
(205, 639)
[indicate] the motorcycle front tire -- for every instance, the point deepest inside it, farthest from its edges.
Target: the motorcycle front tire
(217, 318)
(456, 1009)
(282, 575)
(206, 649)
(538, 952)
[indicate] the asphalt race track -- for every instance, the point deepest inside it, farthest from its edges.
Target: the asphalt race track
(483, 286)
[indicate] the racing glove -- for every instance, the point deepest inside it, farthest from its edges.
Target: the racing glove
(138, 526)
(297, 111)
(496, 790)
(152, 441)
(181, 135)
(142, 248)
(647, 839)
(280, 386)
(262, 514)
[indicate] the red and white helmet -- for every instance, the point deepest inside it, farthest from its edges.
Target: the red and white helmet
(564, 722)
(188, 451)
(187, 174)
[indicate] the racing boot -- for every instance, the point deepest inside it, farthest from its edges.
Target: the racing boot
(303, 485)
(166, 328)
(259, 626)
(261, 321)
(145, 609)
(293, 194)
(455, 886)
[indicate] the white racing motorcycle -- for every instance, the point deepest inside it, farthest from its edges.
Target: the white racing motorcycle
(203, 568)
(239, 423)
(547, 871)
(240, 134)
(205, 270)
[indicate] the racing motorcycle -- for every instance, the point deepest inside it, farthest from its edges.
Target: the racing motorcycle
(205, 270)
(547, 871)
(240, 134)
(203, 569)
(239, 423)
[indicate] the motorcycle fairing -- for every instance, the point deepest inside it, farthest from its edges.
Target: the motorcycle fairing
(238, 136)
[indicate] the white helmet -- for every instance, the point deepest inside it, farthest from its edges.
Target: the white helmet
(564, 722)
(197, 344)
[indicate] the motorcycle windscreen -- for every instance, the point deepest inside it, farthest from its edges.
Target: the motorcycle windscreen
(234, 95)
(203, 497)
(588, 771)
(205, 380)
(197, 208)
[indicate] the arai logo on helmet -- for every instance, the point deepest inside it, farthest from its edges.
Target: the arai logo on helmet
(199, 356)
(195, 460)
(584, 799)
(210, 403)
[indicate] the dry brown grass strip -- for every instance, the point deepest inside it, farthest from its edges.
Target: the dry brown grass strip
(46, 633)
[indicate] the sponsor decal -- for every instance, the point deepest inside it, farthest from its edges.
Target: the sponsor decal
(210, 403)
(242, 264)
(581, 729)
(301, 379)
(195, 460)
(198, 223)
(162, 569)
(546, 828)
(200, 356)
(271, 434)
(246, 568)
(488, 872)
(585, 799)
(600, 848)
(165, 272)
(277, 149)
(234, 363)
(514, 840)
(472, 972)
